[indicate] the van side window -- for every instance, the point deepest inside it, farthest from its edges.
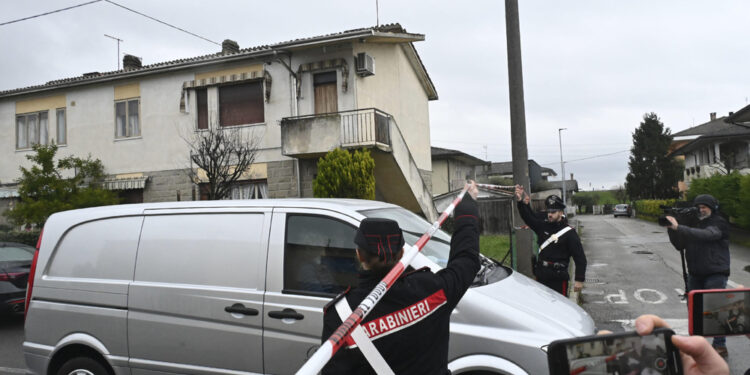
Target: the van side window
(202, 249)
(319, 255)
(101, 249)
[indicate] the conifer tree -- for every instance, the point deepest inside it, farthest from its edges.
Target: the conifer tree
(653, 174)
(344, 174)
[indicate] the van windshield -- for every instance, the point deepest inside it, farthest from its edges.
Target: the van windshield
(437, 248)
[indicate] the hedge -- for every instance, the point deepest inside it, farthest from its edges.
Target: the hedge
(650, 209)
(26, 237)
(732, 191)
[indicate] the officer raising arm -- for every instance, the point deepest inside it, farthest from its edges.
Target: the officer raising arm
(409, 327)
(557, 243)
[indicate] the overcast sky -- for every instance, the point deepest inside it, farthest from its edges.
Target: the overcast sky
(593, 67)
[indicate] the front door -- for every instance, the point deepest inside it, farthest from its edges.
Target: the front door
(326, 96)
(310, 260)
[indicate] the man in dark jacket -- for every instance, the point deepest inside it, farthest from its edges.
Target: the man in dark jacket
(557, 241)
(409, 327)
(706, 248)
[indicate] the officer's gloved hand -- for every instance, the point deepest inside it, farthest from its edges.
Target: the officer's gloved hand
(468, 205)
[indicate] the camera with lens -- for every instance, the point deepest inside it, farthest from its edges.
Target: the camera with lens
(685, 215)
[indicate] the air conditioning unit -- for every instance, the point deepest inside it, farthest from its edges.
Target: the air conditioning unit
(365, 65)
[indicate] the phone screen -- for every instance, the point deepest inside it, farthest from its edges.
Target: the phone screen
(625, 353)
(719, 312)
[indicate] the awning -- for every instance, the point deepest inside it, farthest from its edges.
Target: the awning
(8, 192)
(125, 183)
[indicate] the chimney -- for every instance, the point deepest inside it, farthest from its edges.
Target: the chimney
(229, 46)
(571, 176)
(731, 113)
(713, 116)
(130, 62)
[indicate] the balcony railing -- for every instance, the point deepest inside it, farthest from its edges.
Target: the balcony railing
(320, 133)
(365, 126)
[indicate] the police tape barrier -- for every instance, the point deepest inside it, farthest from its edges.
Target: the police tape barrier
(497, 187)
(315, 363)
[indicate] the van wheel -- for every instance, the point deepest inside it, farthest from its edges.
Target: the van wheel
(82, 366)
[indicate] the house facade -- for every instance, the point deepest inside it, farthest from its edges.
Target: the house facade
(720, 145)
(451, 169)
(363, 88)
(537, 173)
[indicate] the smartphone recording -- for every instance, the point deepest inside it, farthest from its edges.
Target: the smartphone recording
(623, 353)
(719, 312)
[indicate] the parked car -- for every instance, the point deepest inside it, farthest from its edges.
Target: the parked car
(220, 287)
(15, 261)
(622, 210)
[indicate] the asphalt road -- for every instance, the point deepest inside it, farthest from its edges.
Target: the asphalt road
(634, 270)
(11, 338)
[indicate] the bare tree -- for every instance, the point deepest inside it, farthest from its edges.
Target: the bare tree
(224, 155)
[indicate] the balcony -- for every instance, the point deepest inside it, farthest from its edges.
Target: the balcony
(315, 135)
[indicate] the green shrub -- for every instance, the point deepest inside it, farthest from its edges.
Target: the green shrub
(344, 174)
(650, 209)
(25, 237)
(725, 188)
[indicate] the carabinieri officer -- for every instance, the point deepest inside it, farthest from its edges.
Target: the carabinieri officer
(557, 243)
(409, 328)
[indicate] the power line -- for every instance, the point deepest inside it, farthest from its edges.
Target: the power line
(162, 22)
(51, 12)
(590, 157)
(116, 4)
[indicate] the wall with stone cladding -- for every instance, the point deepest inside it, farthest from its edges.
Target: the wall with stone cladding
(162, 186)
(308, 169)
(282, 179)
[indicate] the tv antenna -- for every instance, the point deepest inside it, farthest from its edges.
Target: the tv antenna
(377, 14)
(118, 48)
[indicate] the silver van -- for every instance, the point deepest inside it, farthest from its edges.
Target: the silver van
(237, 287)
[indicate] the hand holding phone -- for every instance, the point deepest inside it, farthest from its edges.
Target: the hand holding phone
(719, 312)
(698, 358)
(620, 353)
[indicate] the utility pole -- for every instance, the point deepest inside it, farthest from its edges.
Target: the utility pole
(518, 130)
(562, 164)
(118, 48)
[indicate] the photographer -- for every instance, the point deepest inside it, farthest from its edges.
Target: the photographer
(706, 246)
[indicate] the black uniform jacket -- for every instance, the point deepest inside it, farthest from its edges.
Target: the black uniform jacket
(706, 246)
(409, 326)
(569, 244)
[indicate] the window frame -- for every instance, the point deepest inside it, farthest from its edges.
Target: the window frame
(57, 125)
(220, 123)
(198, 95)
(127, 117)
(29, 144)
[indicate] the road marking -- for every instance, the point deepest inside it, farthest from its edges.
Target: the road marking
(12, 370)
(680, 326)
(621, 296)
(733, 284)
(639, 296)
(592, 292)
(598, 265)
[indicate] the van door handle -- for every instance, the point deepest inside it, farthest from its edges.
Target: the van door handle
(286, 314)
(239, 308)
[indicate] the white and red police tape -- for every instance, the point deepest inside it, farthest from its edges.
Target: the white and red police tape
(315, 363)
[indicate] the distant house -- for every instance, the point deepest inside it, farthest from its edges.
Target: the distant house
(504, 169)
(717, 146)
(361, 88)
(451, 169)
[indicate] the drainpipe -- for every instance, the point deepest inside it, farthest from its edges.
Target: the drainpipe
(294, 107)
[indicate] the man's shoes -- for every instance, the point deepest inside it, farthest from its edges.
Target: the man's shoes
(722, 350)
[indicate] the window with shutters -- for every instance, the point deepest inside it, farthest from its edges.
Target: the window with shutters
(240, 104)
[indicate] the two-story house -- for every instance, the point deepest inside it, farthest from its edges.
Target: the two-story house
(359, 88)
(720, 145)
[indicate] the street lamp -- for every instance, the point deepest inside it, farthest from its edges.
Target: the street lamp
(562, 165)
